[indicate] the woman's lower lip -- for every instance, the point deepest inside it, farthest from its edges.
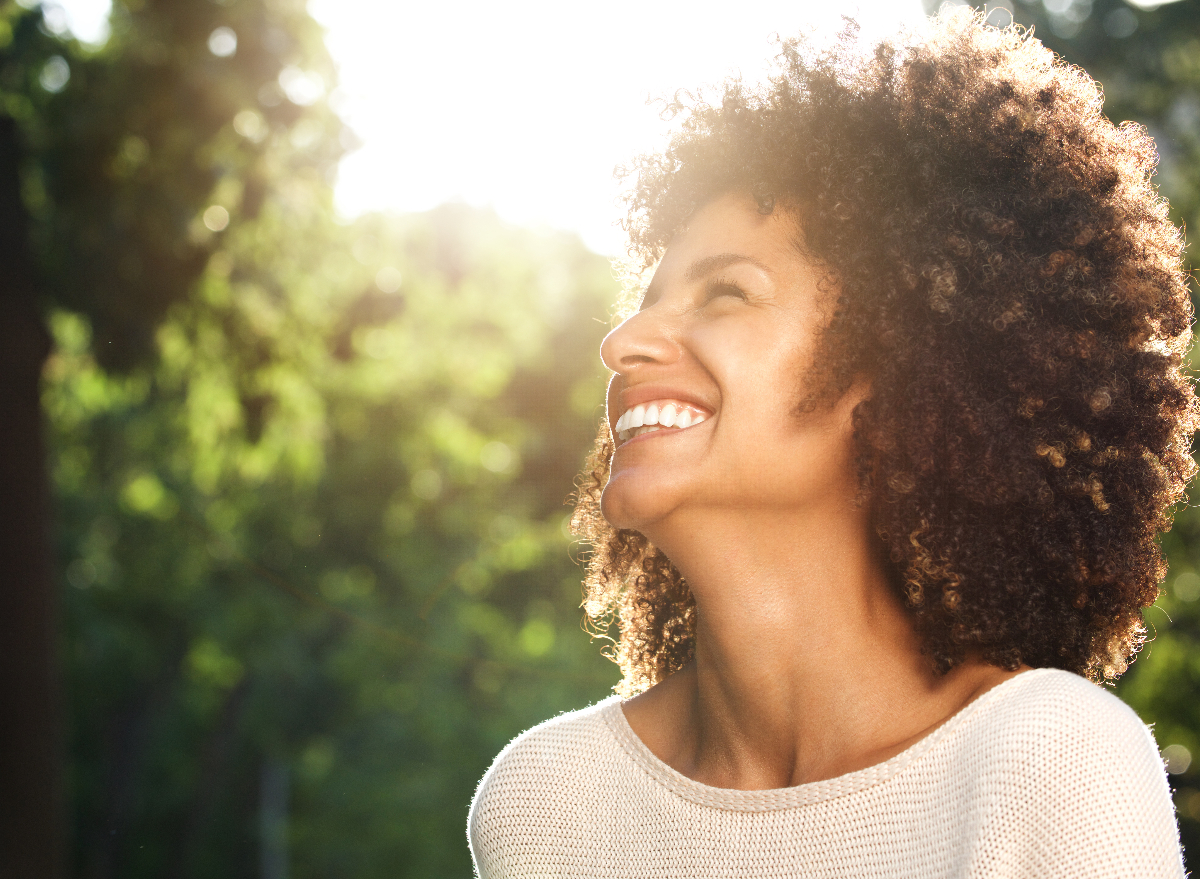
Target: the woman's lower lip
(642, 436)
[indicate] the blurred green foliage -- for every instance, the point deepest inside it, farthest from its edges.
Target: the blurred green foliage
(310, 477)
(136, 151)
(347, 558)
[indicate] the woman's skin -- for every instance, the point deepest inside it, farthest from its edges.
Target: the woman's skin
(806, 666)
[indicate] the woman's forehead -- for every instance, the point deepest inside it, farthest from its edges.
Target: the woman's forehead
(725, 229)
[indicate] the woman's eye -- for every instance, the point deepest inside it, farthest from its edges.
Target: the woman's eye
(717, 289)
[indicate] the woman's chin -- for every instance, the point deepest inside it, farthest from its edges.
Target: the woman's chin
(632, 507)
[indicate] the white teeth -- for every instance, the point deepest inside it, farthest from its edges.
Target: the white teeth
(649, 417)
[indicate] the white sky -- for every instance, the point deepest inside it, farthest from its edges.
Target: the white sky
(527, 105)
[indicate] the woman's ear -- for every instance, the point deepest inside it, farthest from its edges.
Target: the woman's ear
(858, 392)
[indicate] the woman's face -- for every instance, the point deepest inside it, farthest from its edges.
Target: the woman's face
(720, 355)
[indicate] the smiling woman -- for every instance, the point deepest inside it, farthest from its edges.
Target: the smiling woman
(889, 442)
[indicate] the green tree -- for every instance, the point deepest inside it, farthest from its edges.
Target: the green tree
(117, 170)
(362, 587)
(308, 478)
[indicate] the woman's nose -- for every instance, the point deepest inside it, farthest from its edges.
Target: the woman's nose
(641, 340)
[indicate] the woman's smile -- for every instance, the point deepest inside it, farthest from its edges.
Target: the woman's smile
(656, 416)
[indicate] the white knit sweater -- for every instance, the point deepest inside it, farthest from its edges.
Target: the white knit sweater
(1045, 775)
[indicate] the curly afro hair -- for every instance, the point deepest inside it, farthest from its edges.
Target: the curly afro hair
(1010, 281)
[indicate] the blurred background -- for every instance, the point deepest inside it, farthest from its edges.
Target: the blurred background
(299, 312)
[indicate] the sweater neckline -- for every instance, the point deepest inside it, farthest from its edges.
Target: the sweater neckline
(804, 794)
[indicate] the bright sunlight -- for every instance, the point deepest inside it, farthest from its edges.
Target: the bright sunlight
(526, 107)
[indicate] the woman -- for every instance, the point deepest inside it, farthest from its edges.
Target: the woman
(889, 440)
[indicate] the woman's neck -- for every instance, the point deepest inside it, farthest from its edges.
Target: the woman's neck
(806, 666)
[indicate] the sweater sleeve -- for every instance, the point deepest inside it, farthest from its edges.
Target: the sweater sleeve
(1080, 792)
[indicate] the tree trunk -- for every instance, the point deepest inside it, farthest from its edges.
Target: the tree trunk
(31, 806)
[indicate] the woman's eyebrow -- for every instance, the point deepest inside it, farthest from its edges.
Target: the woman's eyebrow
(700, 268)
(715, 263)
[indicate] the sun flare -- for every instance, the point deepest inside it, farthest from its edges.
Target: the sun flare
(526, 106)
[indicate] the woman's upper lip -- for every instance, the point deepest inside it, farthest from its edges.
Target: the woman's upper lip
(636, 394)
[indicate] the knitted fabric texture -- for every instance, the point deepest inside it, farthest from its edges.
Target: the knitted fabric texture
(1046, 775)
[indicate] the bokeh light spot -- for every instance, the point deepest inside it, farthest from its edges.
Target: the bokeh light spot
(55, 74)
(223, 42)
(1178, 758)
(1120, 23)
(377, 343)
(85, 20)
(536, 637)
(496, 456)
(306, 134)
(55, 20)
(301, 88)
(1189, 803)
(1187, 586)
(208, 663)
(143, 493)
(251, 125)
(427, 485)
(388, 279)
(134, 150)
(216, 218)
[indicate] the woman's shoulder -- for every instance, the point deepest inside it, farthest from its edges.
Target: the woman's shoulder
(554, 745)
(549, 759)
(547, 775)
(1062, 771)
(1050, 707)
(1055, 726)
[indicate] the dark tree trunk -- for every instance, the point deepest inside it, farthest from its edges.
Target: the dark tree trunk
(218, 755)
(31, 803)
